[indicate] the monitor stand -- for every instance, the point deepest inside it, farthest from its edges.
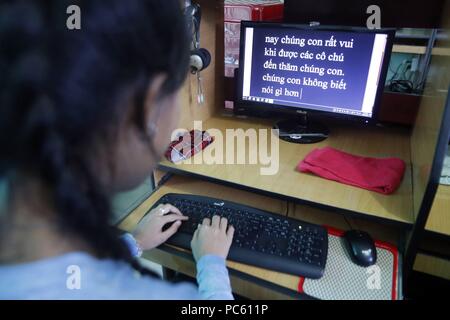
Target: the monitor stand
(301, 130)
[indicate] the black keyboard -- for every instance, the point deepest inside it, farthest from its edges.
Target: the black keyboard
(261, 238)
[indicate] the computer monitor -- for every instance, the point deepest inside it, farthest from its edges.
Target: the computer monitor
(319, 71)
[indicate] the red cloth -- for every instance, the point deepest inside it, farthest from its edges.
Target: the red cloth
(380, 175)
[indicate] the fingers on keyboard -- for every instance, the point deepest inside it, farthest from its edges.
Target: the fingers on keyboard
(216, 222)
(223, 224)
(230, 233)
(207, 222)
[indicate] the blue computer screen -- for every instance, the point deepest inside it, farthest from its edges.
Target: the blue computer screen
(324, 70)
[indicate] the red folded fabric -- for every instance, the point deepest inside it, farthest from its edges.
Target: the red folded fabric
(375, 174)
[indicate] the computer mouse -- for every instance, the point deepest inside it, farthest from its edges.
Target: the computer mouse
(361, 247)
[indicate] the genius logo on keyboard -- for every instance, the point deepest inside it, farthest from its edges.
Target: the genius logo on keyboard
(219, 204)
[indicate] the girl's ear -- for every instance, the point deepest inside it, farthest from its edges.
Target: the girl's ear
(151, 107)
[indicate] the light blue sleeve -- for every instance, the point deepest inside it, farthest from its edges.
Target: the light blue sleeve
(212, 274)
(132, 245)
(213, 279)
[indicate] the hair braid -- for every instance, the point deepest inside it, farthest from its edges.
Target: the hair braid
(59, 90)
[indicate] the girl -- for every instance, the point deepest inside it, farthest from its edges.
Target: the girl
(84, 114)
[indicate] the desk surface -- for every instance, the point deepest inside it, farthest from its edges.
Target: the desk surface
(439, 218)
(274, 282)
(294, 185)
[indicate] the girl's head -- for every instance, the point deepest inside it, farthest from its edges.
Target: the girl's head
(88, 112)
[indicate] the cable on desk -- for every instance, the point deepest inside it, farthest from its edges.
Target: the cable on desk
(348, 222)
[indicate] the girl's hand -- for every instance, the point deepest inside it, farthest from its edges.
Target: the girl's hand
(212, 237)
(149, 233)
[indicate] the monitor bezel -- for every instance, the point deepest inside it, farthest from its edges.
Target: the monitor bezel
(261, 109)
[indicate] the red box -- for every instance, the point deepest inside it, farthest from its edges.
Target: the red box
(254, 10)
(247, 10)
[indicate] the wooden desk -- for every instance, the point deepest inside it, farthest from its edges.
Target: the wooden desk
(248, 281)
(434, 249)
(292, 185)
(439, 218)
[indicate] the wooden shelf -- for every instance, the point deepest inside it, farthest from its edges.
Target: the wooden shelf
(436, 51)
(402, 48)
(440, 51)
(294, 185)
(432, 265)
(439, 218)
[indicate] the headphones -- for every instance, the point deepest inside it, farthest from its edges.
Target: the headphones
(200, 60)
(200, 57)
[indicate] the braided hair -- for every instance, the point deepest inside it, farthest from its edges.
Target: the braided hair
(60, 90)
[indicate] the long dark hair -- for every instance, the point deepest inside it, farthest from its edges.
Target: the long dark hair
(60, 89)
